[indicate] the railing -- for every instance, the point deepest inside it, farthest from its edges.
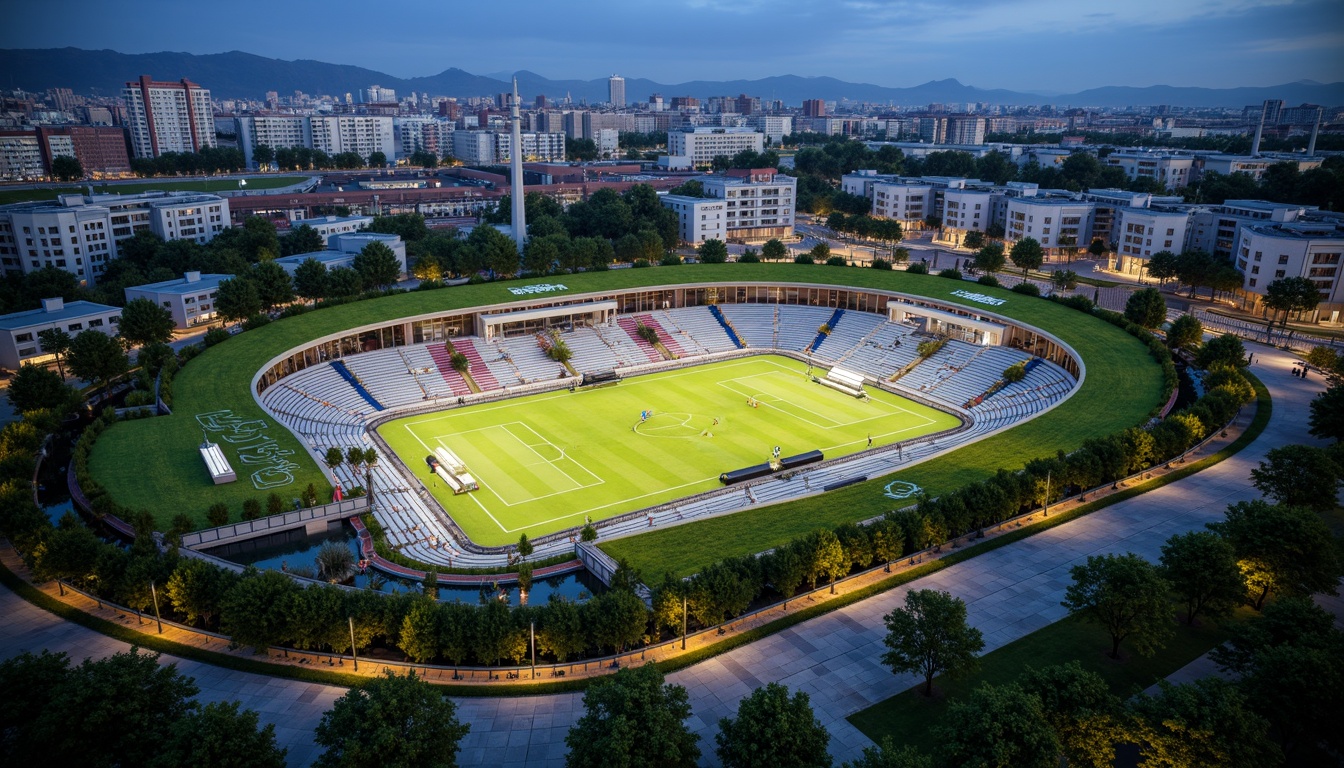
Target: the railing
(248, 529)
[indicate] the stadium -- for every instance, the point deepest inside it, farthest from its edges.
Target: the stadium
(753, 401)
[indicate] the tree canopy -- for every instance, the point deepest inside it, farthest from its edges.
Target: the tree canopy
(1126, 596)
(773, 730)
(634, 715)
(930, 636)
(394, 720)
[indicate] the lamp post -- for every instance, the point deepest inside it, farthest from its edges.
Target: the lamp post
(155, 594)
(532, 629)
(353, 654)
(683, 622)
(1046, 508)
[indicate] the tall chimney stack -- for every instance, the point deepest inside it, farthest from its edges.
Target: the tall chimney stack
(516, 182)
(1259, 128)
(1315, 129)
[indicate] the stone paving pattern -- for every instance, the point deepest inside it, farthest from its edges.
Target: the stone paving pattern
(1010, 592)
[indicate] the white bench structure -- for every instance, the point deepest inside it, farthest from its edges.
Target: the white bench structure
(844, 381)
(220, 471)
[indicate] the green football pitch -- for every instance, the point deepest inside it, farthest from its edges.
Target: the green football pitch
(545, 462)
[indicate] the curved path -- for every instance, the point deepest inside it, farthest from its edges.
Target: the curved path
(1010, 592)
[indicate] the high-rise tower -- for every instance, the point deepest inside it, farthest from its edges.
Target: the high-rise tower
(616, 90)
(516, 181)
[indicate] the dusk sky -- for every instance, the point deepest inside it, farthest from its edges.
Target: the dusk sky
(1046, 46)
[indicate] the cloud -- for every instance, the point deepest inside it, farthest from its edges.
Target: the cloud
(1332, 40)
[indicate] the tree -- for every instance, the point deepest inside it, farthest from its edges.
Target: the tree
(1207, 722)
(254, 612)
(990, 259)
(66, 168)
(1146, 308)
(1202, 569)
(997, 727)
(1327, 414)
(930, 636)
(886, 755)
(310, 280)
(773, 730)
(420, 630)
(344, 281)
(1291, 294)
(237, 299)
(197, 589)
(712, 251)
(1081, 710)
(1064, 279)
(56, 341)
(1096, 249)
(124, 707)
(1126, 596)
(1280, 548)
(1299, 475)
(1195, 269)
(828, 557)
(377, 265)
(144, 322)
(35, 387)
(1027, 254)
(974, 240)
(1162, 265)
(524, 546)
(633, 718)
(1185, 333)
(377, 160)
(394, 721)
(1226, 349)
(96, 357)
(221, 734)
(263, 155)
(273, 284)
(774, 250)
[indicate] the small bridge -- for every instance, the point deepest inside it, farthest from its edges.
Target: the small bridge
(313, 520)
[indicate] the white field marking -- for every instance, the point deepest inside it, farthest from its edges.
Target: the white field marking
(643, 429)
(610, 504)
(892, 410)
(577, 486)
(493, 519)
(626, 384)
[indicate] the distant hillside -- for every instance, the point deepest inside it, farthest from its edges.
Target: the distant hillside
(243, 75)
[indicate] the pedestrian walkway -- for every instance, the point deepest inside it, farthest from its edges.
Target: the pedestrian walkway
(1010, 592)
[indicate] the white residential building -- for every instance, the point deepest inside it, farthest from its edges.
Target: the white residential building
(190, 298)
(908, 202)
(701, 145)
(1173, 171)
(966, 210)
(698, 219)
(474, 147)
(168, 117)
(1047, 220)
(274, 131)
(1138, 233)
(608, 141)
(774, 127)
(327, 226)
(1310, 249)
(616, 90)
(1214, 229)
(80, 234)
(760, 203)
(361, 134)
(541, 147)
(19, 342)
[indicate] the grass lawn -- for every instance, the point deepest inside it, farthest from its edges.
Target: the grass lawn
(909, 718)
(153, 463)
(547, 461)
(173, 185)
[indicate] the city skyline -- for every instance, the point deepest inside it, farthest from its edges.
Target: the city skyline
(1205, 44)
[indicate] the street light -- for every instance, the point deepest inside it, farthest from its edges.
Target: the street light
(353, 654)
(155, 593)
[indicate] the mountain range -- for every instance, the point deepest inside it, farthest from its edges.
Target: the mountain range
(243, 75)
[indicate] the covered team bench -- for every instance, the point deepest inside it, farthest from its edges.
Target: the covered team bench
(761, 470)
(839, 379)
(448, 466)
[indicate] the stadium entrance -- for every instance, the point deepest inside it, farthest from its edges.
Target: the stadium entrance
(526, 322)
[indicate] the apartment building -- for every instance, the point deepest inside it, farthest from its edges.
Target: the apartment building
(190, 298)
(361, 134)
(698, 219)
(1108, 203)
(906, 201)
(1056, 223)
(342, 249)
(1172, 171)
(274, 131)
(1313, 249)
(21, 156)
(1215, 228)
(168, 117)
(1138, 233)
(760, 203)
(79, 234)
(700, 145)
(19, 342)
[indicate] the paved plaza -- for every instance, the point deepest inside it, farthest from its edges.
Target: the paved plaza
(1010, 592)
